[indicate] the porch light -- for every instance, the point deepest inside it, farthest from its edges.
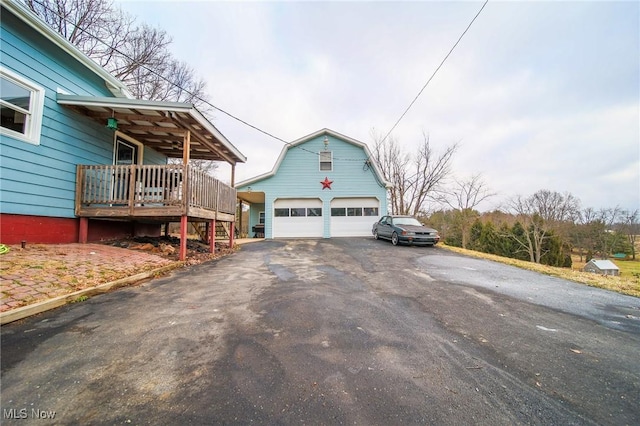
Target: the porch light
(112, 123)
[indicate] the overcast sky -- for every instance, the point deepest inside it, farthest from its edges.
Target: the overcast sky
(540, 95)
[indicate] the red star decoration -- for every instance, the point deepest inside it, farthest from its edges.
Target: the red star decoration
(326, 183)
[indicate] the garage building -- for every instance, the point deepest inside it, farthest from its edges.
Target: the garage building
(323, 185)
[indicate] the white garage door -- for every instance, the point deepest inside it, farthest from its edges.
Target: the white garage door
(298, 218)
(353, 217)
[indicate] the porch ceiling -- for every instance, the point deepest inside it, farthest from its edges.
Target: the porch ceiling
(159, 125)
(251, 197)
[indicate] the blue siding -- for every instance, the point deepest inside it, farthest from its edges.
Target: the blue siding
(153, 157)
(254, 216)
(40, 179)
(299, 176)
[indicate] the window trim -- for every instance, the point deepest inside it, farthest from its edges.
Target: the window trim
(330, 162)
(127, 139)
(33, 129)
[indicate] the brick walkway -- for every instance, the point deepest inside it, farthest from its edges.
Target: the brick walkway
(40, 272)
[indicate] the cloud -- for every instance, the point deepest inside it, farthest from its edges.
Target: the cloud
(539, 94)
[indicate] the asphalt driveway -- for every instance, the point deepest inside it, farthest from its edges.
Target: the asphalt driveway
(330, 332)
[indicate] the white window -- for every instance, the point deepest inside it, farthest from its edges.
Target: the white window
(21, 105)
(326, 161)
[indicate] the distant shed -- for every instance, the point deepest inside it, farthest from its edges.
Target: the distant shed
(604, 267)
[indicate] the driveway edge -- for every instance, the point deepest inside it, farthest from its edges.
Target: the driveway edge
(46, 305)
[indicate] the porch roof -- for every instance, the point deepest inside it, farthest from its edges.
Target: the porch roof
(159, 125)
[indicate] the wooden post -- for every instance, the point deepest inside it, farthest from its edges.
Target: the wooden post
(79, 185)
(233, 175)
(132, 188)
(83, 231)
(186, 148)
(212, 241)
(240, 217)
(166, 229)
(231, 232)
(186, 196)
(183, 237)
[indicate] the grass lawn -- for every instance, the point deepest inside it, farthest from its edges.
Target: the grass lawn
(626, 283)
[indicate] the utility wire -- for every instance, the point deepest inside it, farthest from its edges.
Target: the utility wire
(205, 101)
(193, 95)
(434, 73)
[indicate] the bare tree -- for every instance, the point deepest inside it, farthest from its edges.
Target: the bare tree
(608, 217)
(583, 231)
(540, 214)
(534, 235)
(631, 227)
(554, 207)
(413, 180)
(393, 163)
(464, 196)
(136, 54)
(93, 26)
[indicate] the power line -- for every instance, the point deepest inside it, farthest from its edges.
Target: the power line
(434, 73)
(205, 101)
(193, 95)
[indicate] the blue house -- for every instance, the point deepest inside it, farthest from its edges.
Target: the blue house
(81, 160)
(323, 185)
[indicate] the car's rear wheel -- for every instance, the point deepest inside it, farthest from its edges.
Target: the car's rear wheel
(375, 234)
(394, 239)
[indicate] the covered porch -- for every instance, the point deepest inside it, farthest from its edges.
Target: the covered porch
(157, 193)
(255, 203)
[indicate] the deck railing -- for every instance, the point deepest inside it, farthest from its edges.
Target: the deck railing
(145, 187)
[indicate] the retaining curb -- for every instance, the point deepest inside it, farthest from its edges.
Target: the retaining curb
(46, 305)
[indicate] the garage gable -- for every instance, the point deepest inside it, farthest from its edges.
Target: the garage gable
(326, 167)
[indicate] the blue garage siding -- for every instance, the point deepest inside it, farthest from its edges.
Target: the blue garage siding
(299, 176)
(40, 179)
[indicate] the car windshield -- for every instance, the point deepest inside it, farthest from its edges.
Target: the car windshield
(406, 221)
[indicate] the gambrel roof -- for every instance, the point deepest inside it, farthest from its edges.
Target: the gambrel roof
(328, 132)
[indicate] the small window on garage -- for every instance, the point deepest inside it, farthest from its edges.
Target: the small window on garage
(314, 211)
(338, 211)
(371, 211)
(354, 211)
(298, 212)
(281, 212)
(326, 161)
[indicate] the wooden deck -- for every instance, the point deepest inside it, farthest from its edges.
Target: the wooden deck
(164, 193)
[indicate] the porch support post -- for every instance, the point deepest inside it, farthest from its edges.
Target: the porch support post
(166, 229)
(83, 231)
(239, 211)
(186, 176)
(183, 237)
(233, 175)
(231, 232)
(186, 148)
(212, 240)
